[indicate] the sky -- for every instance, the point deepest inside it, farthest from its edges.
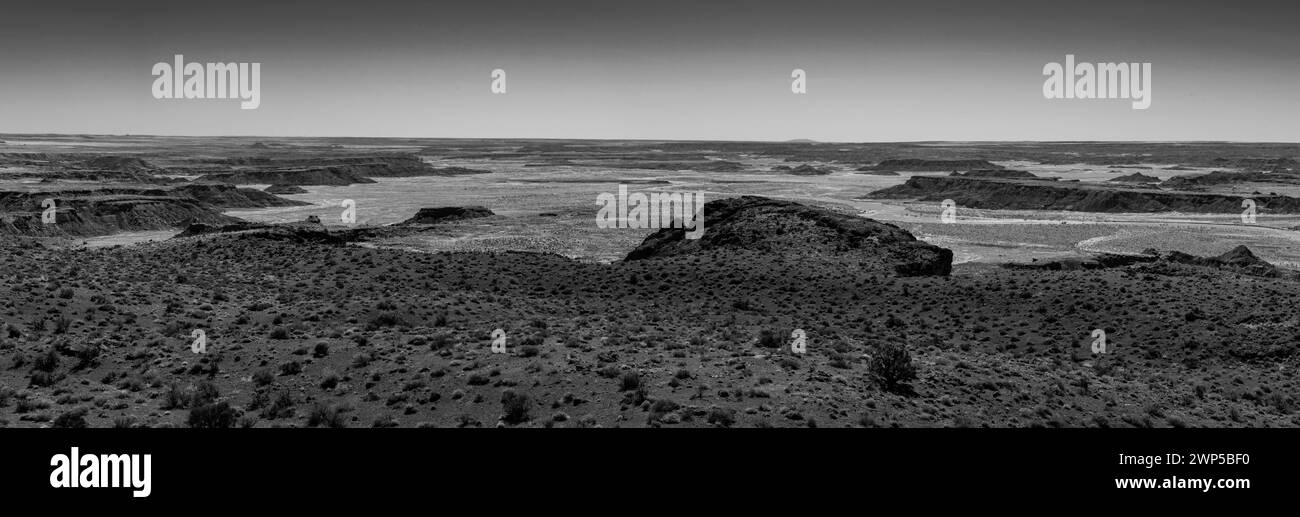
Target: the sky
(667, 69)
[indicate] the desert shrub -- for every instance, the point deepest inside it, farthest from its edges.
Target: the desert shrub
(218, 415)
(175, 397)
(87, 356)
(204, 393)
(516, 406)
(439, 342)
(721, 416)
(75, 419)
(768, 339)
(291, 368)
(282, 407)
(42, 379)
(321, 350)
(386, 319)
(47, 361)
(61, 324)
(323, 415)
(891, 366)
(529, 351)
(280, 333)
(630, 381)
(263, 377)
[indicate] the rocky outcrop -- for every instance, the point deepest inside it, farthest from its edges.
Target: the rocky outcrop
(1201, 181)
(995, 173)
(789, 229)
(226, 196)
(346, 170)
(809, 170)
(1136, 177)
(1239, 259)
(335, 176)
(445, 214)
(106, 215)
(922, 165)
(1018, 194)
(106, 211)
(284, 189)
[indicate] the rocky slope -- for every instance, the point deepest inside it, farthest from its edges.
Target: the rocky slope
(85, 213)
(777, 227)
(1012, 194)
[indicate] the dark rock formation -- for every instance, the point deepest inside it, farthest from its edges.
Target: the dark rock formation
(446, 214)
(105, 211)
(106, 215)
(922, 165)
(809, 170)
(1239, 259)
(995, 173)
(284, 189)
(1020, 194)
(1200, 181)
(226, 196)
(1136, 177)
(786, 228)
(336, 176)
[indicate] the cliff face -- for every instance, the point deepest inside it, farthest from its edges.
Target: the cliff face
(226, 196)
(784, 228)
(85, 213)
(1199, 181)
(336, 176)
(106, 215)
(345, 170)
(1007, 194)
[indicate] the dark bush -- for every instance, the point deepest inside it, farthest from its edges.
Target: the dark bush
(516, 406)
(891, 366)
(218, 415)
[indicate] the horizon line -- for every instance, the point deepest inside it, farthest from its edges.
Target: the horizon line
(708, 140)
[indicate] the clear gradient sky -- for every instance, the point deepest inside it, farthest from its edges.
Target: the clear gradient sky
(664, 69)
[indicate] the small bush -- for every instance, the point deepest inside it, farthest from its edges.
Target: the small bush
(291, 368)
(205, 393)
(630, 381)
(75, 419)
(323, 415)
(218, 415)
(47, 361)
(516, 406)
(891, 366)
(263, 377)
(721, 416)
